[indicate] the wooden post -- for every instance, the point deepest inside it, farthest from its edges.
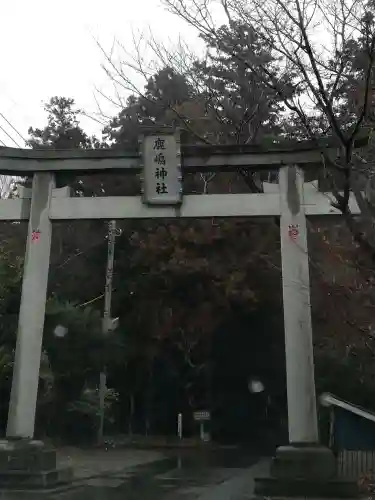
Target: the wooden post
(21, 419)
(302, 414)
(107, 322)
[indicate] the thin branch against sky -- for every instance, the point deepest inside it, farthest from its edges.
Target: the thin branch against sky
(70, 62)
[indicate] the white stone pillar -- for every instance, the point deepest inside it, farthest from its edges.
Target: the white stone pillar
(302, 414)
(21, 418)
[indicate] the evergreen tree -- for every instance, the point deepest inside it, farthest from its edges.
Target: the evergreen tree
(63, 130)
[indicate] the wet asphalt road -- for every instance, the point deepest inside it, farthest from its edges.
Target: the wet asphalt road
(216, 475)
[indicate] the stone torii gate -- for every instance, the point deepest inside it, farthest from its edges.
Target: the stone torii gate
(162, 163)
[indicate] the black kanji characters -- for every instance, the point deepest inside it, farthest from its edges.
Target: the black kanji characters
(159, 159)
(161, 188)
(159, 143)
(161, 173)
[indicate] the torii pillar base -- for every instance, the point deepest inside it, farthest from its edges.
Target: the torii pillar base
(304, 471)
(28, 470)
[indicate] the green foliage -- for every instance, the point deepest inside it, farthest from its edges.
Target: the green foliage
(10, 291)
(79, 320)
(78, 354)
(245, 109)
(164, 91)
(63, 130)
(10, 275)
(216, 100)
(75, 360)
(88, 404)
(6, 363)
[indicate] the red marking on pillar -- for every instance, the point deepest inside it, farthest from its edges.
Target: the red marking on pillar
(35, 236)
(293, 231)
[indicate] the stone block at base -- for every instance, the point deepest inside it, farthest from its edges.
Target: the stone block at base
(304, 471)
(303, 462)
(28, 466)
(272, 487)
(35, 479)
(69, 492)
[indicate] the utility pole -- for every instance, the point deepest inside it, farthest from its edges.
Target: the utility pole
(108, 323)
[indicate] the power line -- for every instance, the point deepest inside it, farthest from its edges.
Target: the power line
(12, 126)
(9, 136)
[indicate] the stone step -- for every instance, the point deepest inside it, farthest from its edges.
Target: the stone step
(306, 488)
(25, 459)
(23, 479)
(65, 492)
(310, 462)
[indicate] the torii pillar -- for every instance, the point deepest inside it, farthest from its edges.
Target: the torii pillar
(303, 467)
(27, 465)
(302, 411)
(24, 393)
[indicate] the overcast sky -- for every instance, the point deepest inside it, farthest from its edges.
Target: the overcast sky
(48, 48)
